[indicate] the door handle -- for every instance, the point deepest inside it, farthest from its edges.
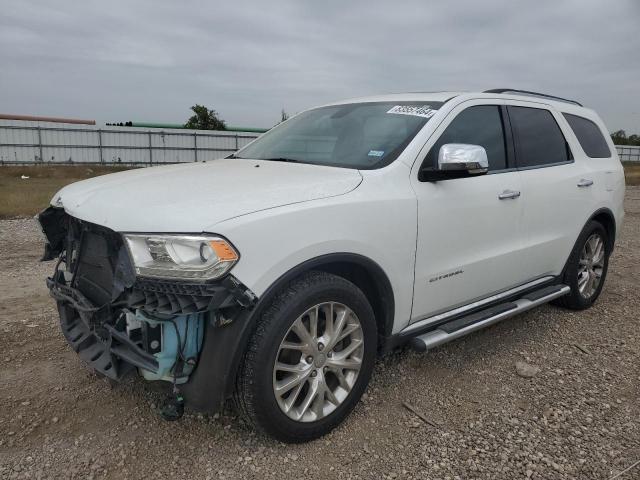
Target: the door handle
(584, 182)
(507, 194)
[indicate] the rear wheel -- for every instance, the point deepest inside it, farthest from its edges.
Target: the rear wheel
(587, 267)
(309, 360)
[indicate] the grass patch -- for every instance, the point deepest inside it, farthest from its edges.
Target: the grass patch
(25, 197)
(632, 172)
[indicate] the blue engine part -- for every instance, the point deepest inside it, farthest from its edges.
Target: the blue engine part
(165, 343)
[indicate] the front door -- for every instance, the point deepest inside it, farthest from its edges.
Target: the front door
(469, 242)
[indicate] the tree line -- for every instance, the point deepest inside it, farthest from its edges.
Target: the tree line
(620, 138)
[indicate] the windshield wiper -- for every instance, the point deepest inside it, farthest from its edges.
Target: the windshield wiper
(282, 159)
(273, 159)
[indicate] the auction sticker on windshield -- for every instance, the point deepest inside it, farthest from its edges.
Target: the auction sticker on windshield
(423, 111)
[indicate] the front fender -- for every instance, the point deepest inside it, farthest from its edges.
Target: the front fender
(273, 242)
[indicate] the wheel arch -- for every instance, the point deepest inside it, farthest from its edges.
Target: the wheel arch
(574, 300)
(360, 270)
(214, 378)
(605, 217)
(367, 275)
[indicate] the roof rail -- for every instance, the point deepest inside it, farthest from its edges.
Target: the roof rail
(535, 94)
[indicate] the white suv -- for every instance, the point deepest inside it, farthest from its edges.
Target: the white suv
(276, 275)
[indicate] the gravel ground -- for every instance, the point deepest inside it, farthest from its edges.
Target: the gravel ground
(577, 417)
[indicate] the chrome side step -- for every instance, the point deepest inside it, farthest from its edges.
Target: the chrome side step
(470, 323)
(420, 325)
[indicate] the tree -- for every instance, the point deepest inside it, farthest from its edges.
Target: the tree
(205, 119)
(619, 137)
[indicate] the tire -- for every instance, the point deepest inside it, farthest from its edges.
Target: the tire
(577, 299)
(258, 377)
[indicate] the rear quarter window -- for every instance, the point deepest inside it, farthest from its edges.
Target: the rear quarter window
(589, 135)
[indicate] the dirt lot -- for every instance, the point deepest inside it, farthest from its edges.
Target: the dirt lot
(577, 418)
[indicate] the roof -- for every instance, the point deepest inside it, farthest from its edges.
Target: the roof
(557, 102)
(407, 97)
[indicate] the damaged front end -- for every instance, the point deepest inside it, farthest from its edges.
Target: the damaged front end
(118, 320)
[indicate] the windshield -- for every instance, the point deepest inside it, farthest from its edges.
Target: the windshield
(358, 135)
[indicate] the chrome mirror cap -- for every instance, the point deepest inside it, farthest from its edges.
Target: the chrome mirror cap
(461, 156)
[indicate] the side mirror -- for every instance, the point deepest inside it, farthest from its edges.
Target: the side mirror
(463, 158)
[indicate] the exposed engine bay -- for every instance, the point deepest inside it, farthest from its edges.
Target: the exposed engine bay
(119, 322)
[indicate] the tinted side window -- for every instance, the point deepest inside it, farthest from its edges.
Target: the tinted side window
(589, 136)
(539, 140)
(479, 125)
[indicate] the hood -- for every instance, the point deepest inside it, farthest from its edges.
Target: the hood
(194, 197)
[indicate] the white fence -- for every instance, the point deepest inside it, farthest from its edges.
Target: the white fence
(628, 153)
(24, 142)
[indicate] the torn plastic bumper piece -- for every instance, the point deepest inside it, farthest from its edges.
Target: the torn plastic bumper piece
(102, 270)
(99, 298)
(54, 224)
(95, 334)
(180, 297)
(102, 346)
(99, 334)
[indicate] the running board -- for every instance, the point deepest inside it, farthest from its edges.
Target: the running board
(470, 323)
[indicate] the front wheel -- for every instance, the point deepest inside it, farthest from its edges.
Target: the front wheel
(309, 360)
(587, 267)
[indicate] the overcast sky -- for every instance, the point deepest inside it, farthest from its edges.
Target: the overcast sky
(151, 60)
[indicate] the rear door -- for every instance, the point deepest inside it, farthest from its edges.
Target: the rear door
(469, 239)
(557, 187)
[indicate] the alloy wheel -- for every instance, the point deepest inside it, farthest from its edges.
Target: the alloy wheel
(318, 362)
(591, 265)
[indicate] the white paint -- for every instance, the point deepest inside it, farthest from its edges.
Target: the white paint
(193, 197)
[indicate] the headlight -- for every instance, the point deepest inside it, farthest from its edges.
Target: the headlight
(193, 257)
